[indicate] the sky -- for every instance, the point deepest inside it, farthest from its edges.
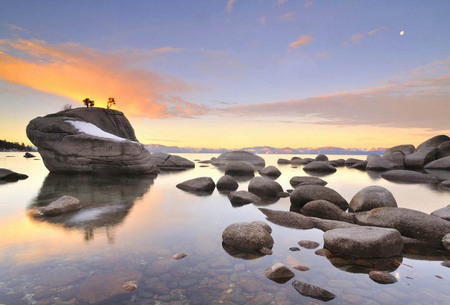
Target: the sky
(233, 73)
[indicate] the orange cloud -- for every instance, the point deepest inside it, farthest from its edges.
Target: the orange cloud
(303, 40)
(421, 103)
(356, 38)
(77, 72)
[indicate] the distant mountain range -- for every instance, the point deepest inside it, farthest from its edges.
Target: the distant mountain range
(269, 150)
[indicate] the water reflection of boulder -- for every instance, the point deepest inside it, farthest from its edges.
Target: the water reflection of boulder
(365, 265)
(106, 200)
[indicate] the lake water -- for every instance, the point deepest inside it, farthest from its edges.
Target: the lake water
(131, 226)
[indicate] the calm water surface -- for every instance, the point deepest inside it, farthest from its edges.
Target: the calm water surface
(130, 227)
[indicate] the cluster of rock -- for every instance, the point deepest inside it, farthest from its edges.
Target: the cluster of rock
(95, 140)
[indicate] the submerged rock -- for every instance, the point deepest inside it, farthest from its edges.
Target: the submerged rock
(63, 205)
(248, 236)
(306, 193)
(201, 184)
(91, 140)
(371, 197)
(312, 291)
(364, 242)
(279, 273)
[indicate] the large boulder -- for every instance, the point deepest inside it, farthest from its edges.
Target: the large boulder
(443, 163)
(371, 197)
(227, 183)
(444, 150)
(306, 193)
(376, 163)
(319, 166)
(306, 180)
(239, 155)
(265, 187)
(409, 223)
(402, 175)
(433, 142)
(443, 213)
(396, 157)
(248, 236)
(405, 149)
(170, 162)
(201, 184)
(65, 204)
(321, 157)
(270, 171)
(421, 157)
(91, 140)
(364, 242)
(239, 168)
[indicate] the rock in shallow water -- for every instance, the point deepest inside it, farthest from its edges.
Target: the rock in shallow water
(312, 291)
(10, 176)
(227, 183)
(306, 180)
(382, 277)
(306, 193)
(371, 197)
(319, 166)
(265, 187)
(279, 273)
(240, 155)
(201, 184)
(270, 171)
(242, 197)
(64, 204)
(248, 236)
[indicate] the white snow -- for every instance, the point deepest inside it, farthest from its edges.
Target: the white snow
(93, 130)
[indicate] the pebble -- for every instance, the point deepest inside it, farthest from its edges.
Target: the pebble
(179, 256)
(382, 277)
(294, 249)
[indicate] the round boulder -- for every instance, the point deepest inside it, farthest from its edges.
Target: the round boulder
(433, 142)
(371, 197)
(306, 193)
(201, 184)
(364, 242)
(239, 155)
(270, 171)
(306, 180)
(227, 183)
(239, 168)
(242, 197)
(321, 157)
(319, 166)
(265, 187)
(247, 236)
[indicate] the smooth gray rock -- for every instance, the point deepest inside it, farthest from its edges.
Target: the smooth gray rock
(443, 213)
(359, 165)
(201, 184)
(247, 236)
(321, 157)
(326, 210)
(406, 149)
(270, 171)
(396, 157)
(409, 223)
(242, 197)
(338, 162)
(283, 161)
(376, 163)
(445, 185)
(408, 176)
(226, 183)
(382, 277)
(443, 163)
(306, 193)
(319, 166)
(64, 148)
(371, 197)
(10, 176)
(265, 187)
(239, 155)
(351, 161)
(312, 291)
(239, 168)
(433, 142)
(364, 242)
(167, 162)
(306, 180)
(301, 161)
(444, 150)
(446, 242)
(279, 273)
(421, 157)
(65, 204)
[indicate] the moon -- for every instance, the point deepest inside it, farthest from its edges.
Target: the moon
(402, 33)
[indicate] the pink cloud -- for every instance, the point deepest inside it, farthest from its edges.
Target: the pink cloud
(301, 41)
(356, 38)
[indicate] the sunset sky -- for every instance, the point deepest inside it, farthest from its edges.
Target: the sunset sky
(233, 73)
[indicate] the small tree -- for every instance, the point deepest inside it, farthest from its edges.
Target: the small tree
(88, 102)
(111, 101)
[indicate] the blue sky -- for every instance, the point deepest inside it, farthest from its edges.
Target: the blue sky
(222, 61)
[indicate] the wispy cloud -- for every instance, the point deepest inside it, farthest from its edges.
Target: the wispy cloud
(417, 103)
(289, 16)
(230, 5)
(14, 27)
(281, 2)
(309, 3)
(357, 37)
(76, 72)
(301, 41)
(325, 54)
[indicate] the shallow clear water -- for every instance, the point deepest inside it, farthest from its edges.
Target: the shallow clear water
(130, 227)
